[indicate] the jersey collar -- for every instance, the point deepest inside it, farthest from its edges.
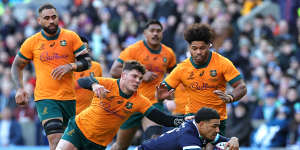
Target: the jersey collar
(204, 65)
(195, 124)
(151, 50)
(122, 93)
(52, 37)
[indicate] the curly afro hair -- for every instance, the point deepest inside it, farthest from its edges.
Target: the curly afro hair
(199, 32)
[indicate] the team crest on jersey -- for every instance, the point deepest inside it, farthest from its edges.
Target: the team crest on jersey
(213, 73)
(63, 43)
(165, 59)
(128, 105)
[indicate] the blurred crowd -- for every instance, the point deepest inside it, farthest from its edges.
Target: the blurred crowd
(266, 51)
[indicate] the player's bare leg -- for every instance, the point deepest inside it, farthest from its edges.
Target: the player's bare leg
(151, 129)
(53, 126)
(124, 138)
(65, 145)
(53, 140)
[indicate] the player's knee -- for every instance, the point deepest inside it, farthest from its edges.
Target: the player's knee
(152, 132)
(53, 126)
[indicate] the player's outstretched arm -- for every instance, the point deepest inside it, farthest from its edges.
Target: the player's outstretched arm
(164, 119)
(17, 77)
(92, 84)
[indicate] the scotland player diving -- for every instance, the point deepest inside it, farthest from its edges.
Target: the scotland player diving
(193, 135)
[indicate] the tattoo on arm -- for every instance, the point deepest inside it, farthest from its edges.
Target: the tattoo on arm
(239, 91)
(17, 71)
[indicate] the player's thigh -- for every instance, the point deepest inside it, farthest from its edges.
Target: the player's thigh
(65, 145)
(68, 109)
(125, 136)
(73, 134)
(47, 110)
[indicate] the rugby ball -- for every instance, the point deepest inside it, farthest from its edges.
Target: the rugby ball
(221, 146)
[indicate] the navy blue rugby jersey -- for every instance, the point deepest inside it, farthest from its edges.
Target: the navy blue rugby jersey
(185, 137)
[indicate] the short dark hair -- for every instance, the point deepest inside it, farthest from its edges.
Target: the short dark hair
(84, 39)
(206, 114)
(46, 6)
(132, 64)
(153, 21)
(199, 32)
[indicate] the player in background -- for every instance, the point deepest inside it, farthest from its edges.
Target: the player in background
(205, 75)
(55, 53)
(180, 98)
(193, 134)
(84, 96)
(158, 60)
(114, 101)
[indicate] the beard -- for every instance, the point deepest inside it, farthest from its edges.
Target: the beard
(50, 31)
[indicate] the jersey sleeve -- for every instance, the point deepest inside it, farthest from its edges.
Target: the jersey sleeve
(78, 46)
(231, 74)
(173, 79)
(219, 138)
(26, 50)
(106, 82)
(97, 69)
(172, 59)
(127, 54)
(144, 105)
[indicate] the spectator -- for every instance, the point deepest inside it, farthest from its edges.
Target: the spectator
(10, 129)
(294, 128)
(239, 124)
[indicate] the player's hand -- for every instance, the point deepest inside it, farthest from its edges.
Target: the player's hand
(225, 97)
(100, 90)
(60, 71)
(232, 144)
(149, 76)
(162, 92)
(22, 97)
